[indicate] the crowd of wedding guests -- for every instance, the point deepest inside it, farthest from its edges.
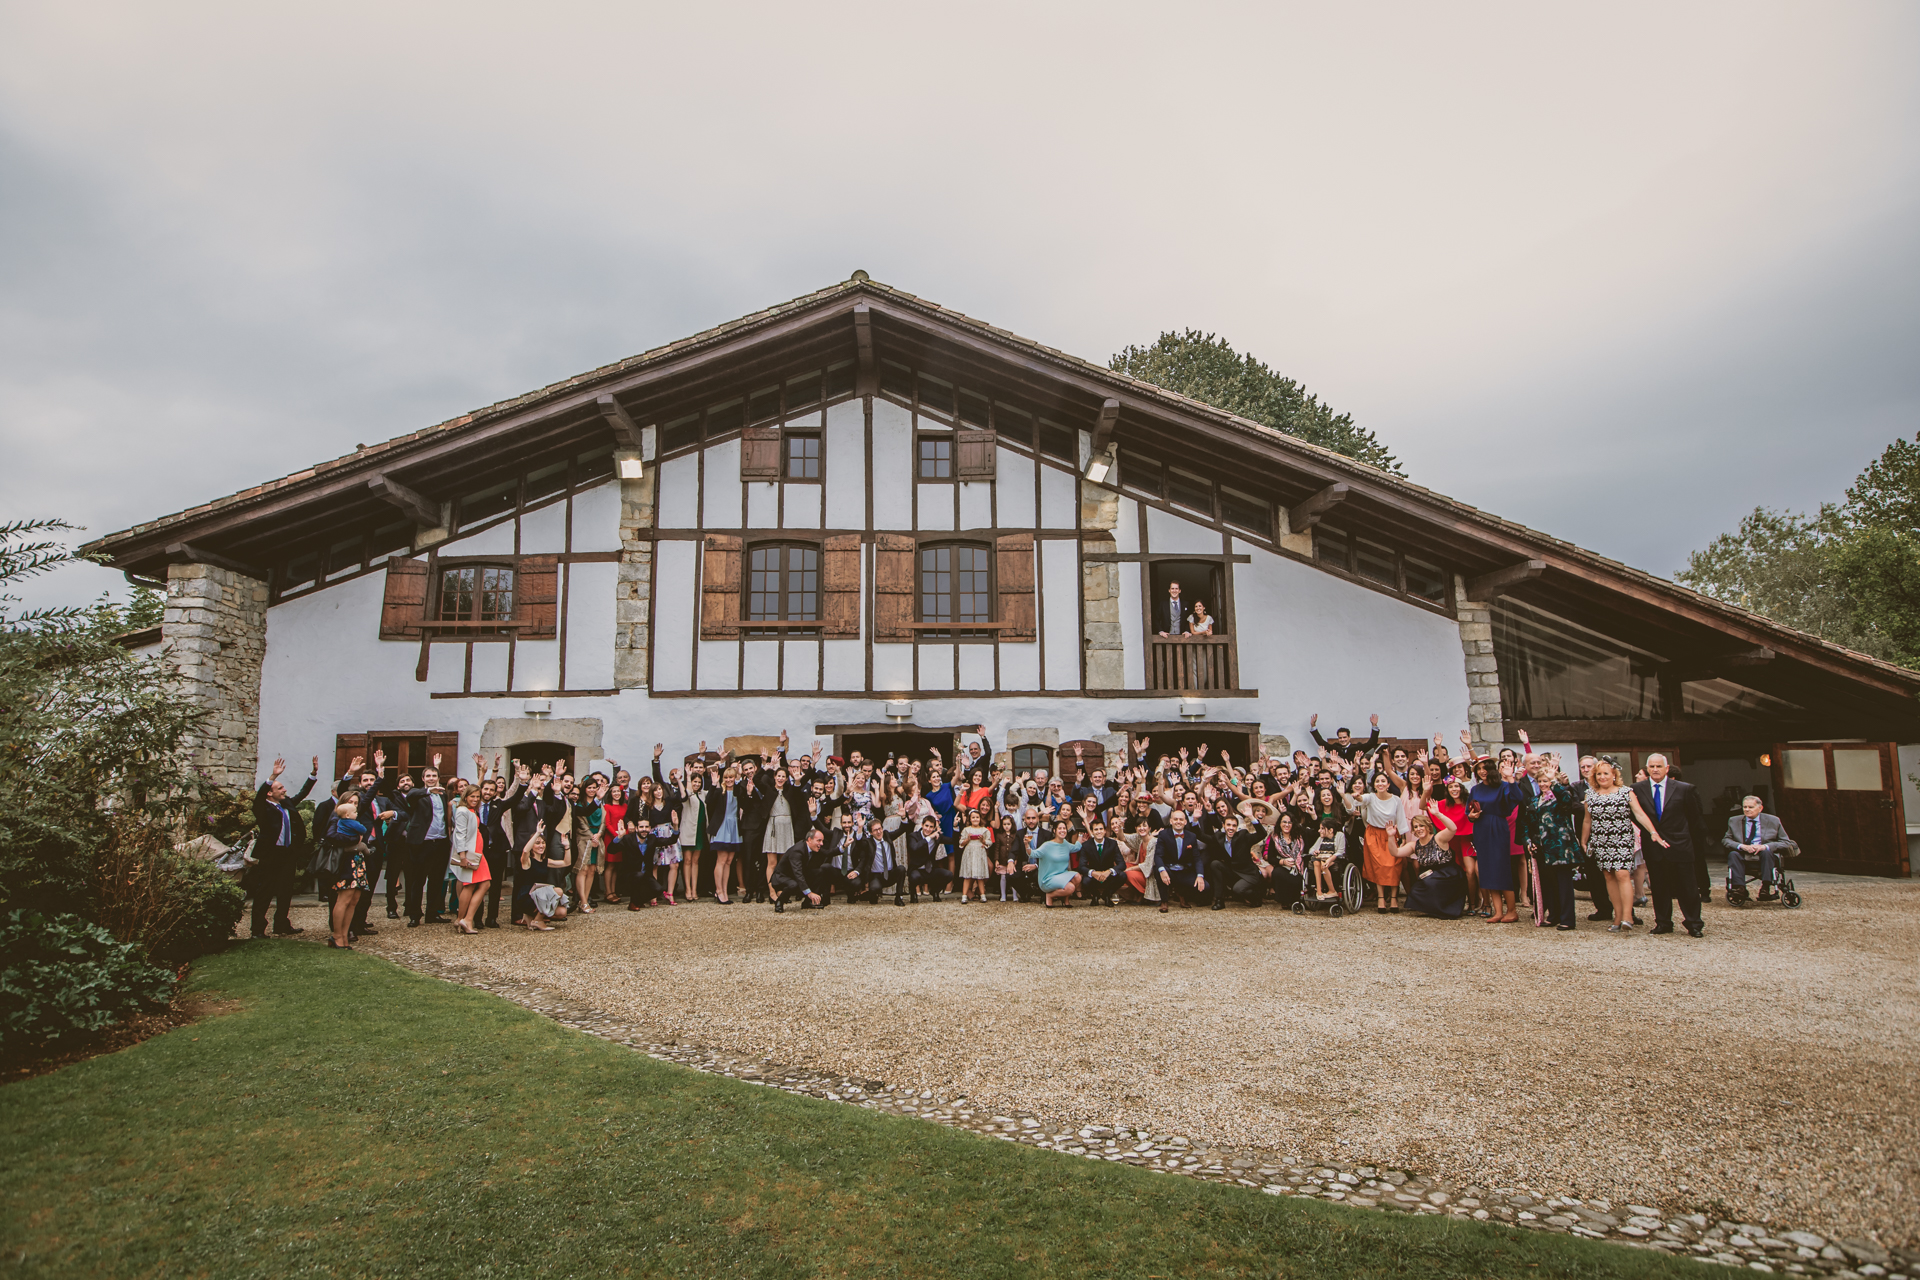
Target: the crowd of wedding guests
(1490, 837)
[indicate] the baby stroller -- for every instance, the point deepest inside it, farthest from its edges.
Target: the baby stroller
(1788, 898)
(1351, 887)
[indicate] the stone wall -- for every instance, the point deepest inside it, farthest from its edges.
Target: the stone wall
(634, 587)
(1100, 589)
(1485, 717)
(215, 634)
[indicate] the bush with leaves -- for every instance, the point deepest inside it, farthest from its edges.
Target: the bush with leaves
(175, 905)
(63, 979)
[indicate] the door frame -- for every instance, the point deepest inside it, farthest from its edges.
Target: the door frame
(1812, 820)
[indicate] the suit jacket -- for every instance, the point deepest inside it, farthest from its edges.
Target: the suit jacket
(266, 819)
(921, 852)
(417, 805)
(1180, 854)
(1102, 855)
(1681, 822)
(791, 870)
(1352, 748)
(1772, 834)
(1171, 616)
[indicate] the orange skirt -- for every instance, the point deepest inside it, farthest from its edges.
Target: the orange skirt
(1381, 866)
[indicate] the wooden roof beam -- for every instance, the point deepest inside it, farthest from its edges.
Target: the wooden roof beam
(188, 553)
(1307, 514)
(1104, 425)
(1489, 585)
(424, 511)
(863, 336)
(625, 430)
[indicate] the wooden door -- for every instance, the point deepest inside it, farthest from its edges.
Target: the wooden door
(1840, 801)
(1092, 753)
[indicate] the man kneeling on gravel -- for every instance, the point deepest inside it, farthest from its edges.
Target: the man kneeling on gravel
(790, 873)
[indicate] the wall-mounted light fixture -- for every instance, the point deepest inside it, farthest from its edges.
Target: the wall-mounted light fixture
(899, 711)
(537, 706)
(1193, 711)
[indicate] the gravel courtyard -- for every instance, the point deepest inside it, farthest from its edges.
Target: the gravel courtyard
(1766, 1072)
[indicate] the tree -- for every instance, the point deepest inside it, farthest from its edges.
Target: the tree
(1206, 368)
(1850, 574)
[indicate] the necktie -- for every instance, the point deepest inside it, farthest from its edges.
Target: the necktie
(1657, 805)
(1753, 830)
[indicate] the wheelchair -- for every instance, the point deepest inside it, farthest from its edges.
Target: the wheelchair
(1351, 886)
(1789, 897)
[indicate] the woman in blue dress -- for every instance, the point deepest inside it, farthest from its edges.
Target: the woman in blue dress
(724, 799)
(1494, 796)
(1052, 866)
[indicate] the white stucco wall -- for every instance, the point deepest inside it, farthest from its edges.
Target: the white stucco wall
(678, 504)
(674, 610)
(1013, 484)
(596, 519)
(892, 466)
(846, 450)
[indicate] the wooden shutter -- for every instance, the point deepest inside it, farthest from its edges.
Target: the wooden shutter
(345, 747)
(720, 588)
(840, 585)
(536, 588)
(974, 454)
(1013, 575)
(447, 747)
(403, 613)
(760, 453)
(893, 587)
(1093, 753)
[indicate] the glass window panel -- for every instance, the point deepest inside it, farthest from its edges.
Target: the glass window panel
(1371, 560)
(1426, 581)
(1190, 491)
(1330, 546)
(1059, 442)
(973, 409)
(1857, 769)
(1030, 759)
(545, 481)
(803, 391)
(730, 416)
(1805, 768)
(803, 457)
(763, 405)
(803, 584)
(1553, 669)
(936, 584)
(936, 395)
(973, 593)
(456, 595)
(495, 594)
(936, 458)
(763, 585)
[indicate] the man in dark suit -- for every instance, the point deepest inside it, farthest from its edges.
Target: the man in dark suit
(496, 802)
(925, 849)
(1343, 744)
(1179, 855)
(1104, 863)
(376, 811)
(1172, 619)
(429, 838)
(789, 880)
(875, 866)
(1675, 809)
(1240, 874)
(281, 839)
(1753, 833)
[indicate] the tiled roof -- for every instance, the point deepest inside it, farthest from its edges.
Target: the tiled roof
(1269, 437)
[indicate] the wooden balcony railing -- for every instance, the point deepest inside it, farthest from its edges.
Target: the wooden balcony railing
(1192, 664)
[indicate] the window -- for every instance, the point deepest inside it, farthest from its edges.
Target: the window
(476, 593)
(803, 457)
(936, 458)
(1031, 760)
(783, 584)
(1190, 491)
(956, 584)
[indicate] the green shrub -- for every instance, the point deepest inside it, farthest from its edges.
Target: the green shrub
(210, 904)
(147, 892)
(62, 979)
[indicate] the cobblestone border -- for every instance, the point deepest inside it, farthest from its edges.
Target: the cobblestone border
(1738, 1244)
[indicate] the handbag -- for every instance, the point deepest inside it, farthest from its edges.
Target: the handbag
(326, 860)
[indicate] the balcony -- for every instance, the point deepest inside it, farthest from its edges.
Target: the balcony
(1191, 664)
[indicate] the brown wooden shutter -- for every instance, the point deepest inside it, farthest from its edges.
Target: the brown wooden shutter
(893, 586)
(975, 454)
(720, 588)
(404, 611)
(536, 586)
(840, 583)
(1013, 574)
(760, 453)
(447, 747)
(1094, 754)
(345, 747)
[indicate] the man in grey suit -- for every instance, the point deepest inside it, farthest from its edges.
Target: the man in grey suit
(1754, 833)
(1680, 827)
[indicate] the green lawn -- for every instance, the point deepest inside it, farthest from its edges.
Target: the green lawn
(352, 1118)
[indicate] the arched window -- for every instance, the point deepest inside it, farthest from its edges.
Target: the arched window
(783, 583)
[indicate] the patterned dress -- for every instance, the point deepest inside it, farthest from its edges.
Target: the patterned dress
(1611, 836)
(1550, 816)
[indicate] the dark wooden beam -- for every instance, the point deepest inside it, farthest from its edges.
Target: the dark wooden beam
(625, 430)
(1760, 735)
(1489, 585)
(424, 510)
(188, 553)
(1758, 656)
(1103, 426)
(1307, 514)
(863, 337)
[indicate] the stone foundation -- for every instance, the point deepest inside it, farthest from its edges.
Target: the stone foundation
(633, 591)
(1100, 590)
(214, 632)
(1485, 717)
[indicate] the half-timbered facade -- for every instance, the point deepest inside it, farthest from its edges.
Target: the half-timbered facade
(861, 517)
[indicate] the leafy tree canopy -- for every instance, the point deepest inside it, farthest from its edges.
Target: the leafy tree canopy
(1204, 367)
(1849, 574)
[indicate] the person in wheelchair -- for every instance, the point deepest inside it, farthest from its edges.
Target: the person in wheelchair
(1754, 833)
(1325, 854)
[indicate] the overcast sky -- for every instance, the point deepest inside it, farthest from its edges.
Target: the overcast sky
(1618, 272)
